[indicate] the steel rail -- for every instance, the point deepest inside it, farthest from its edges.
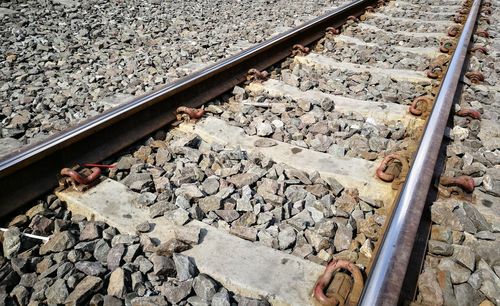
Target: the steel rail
(31, 171)
(392, 258)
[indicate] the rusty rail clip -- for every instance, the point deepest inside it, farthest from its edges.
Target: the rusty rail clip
(483, 33)
(465, 182)
(475, 77)
(421, 105)
(389, 169)
(338, 286)
(469, 112)
(79, 178)
(446, 45)
(300, 50)
(189, 113)
(332, 31)
(256, 75)
(454, 30)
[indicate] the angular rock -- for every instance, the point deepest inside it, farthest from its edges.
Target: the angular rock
(58, 242)
(176, 293)
(429, 289)
(302, 220)
(115, 255)
(286, 237)
(148, 301)
(210, 203)
(163, 266)
(316, 240)
(188, 191)
(170, 247)
(248, 233)
(91, 268)
(109, 300)
(11, 242)
(221, 298)
(458, 273)
(466, 295)
(88, 286)
(184, 266)
(90, 232)
(116, 286)
(205, 287)
(343, 237)
(190, 235)
(465, 256)
(101, 250)
(440, 248)
(242, 179)
(57, 293)
(211, 185)
(227, 215)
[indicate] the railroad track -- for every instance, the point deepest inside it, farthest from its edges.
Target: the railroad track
(311, 150)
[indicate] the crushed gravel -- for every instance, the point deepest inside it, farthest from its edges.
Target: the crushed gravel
(62, 61)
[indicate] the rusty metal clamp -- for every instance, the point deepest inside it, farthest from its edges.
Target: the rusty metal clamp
(256, 75)
(189, 113)
(465, 182)
(420, 105)
(469, 112)
(460, 18)
(389, 170)
(79, 178)
(454, 30)
(475, 77)
(300, 50)
(481, 49)
(435, 72)
(352, 19)
(338, 286)
(483, 33)
(437, 66)
(446, 45)
(332, 31)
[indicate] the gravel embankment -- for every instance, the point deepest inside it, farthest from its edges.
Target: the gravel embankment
(63, 61)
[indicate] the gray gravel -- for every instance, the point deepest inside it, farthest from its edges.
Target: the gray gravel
(63, 61)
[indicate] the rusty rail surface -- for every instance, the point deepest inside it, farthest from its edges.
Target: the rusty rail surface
(31, 171)
(389, 267)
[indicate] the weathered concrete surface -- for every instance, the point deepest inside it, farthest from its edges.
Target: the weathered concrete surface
(247, 268)
(350, 172)
(401, 19)
(323, 63)
(424, 51)
(382, 112)
(254, 270)
(403, 33)
(113, 203)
